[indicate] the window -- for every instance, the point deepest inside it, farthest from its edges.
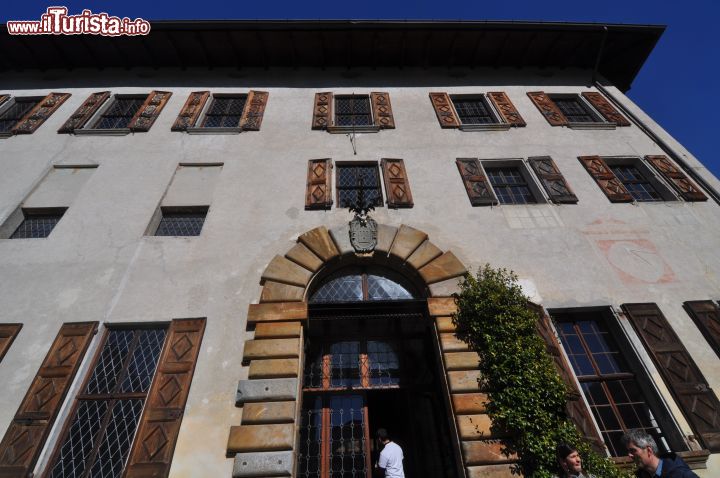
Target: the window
(362, 285)
(108, 408)
(38, 223)
(579, 110)
(221, 112)
(224, 112)
(639, 188)
(620, 399)
(120, 112)
(509, 185)
(353, 111)
(474, 111)
(350, 112)
(358, 183)
(632, 179)
(575, 110)
(181, 221)
(493, 110)
(16, 111)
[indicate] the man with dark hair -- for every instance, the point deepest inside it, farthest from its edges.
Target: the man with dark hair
(570, 462)
(391, 456)
(643, 449)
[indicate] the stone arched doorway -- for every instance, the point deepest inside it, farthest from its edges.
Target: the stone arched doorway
(266, 443)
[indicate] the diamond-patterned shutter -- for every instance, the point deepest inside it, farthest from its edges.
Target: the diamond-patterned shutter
(687, 189)
(382, 110)
(575, 407)
(397, 187)
(149, 111)
(42, 111)
(548, 108)
(191, 110)
(476, 183)
(318, 193)
(506, 109)
(252, 114)
(686, 382)
(706, 315)
(613, 188)
(322, 110)
(605, 108)
(8, 332)
(83, 114)
(552, 180)
(445, 110)
(154, 444)
(26, 435)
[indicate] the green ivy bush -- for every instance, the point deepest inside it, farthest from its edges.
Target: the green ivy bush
(527, 397)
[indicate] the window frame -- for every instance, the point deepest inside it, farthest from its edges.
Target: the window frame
(664, 190)
(12, 101)
(599, 121)
(369, 128)
(18, 218)
(340, 164)
(160, 212)
(200, 128)
(525, 171)
(498, 122)
(90, 125)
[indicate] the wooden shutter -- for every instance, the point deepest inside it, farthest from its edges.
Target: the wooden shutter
(3, 99)
(25, 437)
(552, 180)
(506, 109)
(382, 110)
(548, 108)
(83, 114)
(322, 111)
(318, 192)
(397, 187)
(191, 110)
(8, 332)
(254, 110)
(613, 188)
(445, 110)
(149, 111)
(687, 189)
(154, 443)
(706, 315)
(605, 108)
(575, 407)
(682, 376)
(42, 111)
(476, 183)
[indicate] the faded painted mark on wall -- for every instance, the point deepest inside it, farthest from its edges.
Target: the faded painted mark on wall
(636, 261)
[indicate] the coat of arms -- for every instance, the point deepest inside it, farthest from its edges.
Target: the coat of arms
(363, 228)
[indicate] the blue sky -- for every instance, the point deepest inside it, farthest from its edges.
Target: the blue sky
(677, 86)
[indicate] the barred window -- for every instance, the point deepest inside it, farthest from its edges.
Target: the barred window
(353, 111)
(637, 185)
(16, 111)
(224, 112)
(510, 185)
(38, 223)
(358, 183)
(187, 221)
(575, 110)
(473, 111)
(120, 113)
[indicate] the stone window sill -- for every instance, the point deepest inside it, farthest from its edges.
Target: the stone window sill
(6, 134)
(486, 127)
(351, 129)
(227, 130)
(592, 126)
(102, 132)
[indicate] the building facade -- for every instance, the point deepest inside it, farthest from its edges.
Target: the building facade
(182, 294)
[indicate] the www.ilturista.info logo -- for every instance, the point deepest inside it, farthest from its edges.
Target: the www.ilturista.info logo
(56, 21)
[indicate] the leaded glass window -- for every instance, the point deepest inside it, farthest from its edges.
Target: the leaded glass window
(357, 285)
(353, 111)
(510, 185)
(181, 221)
(637, 185)
(575, 110)
(15, 112)
(473, 111)
(38, 223)
(358, 182)
(225, 112)
(120, 113)
(107, 411)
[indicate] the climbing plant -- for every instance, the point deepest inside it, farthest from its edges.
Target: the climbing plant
(526, 394)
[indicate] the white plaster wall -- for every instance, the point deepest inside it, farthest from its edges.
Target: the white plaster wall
(98, 265)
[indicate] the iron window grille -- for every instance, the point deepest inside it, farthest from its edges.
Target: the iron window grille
(16, 111)
(352, 179)
(183, 221)
(224, 112)
(38, 223)
(510, 185)
(576, 110)
(120, 112)
(97, 439)
(639, 187)
(353, 110)
(474, 110)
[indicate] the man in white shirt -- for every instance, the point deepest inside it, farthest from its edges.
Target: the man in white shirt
(391, 456)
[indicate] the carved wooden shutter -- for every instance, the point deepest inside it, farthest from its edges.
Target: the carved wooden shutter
(707, 318)
(445, 110)
(506, 109)
(613, 188)
(322, 111)
(159, 426)
(476, 183)
(397, 187)
(318, 193)
(687, 189)
(605, 108)
(682, 376)
(191, 110)
(552, 180)
(26, 435)
(42, 111)
(548, 108)
(8, 332)
(382, 110)
(149, 111)
(254, 110)
(575, 407)
(83, 114)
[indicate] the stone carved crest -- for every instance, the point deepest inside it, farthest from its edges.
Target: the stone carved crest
(363, 234)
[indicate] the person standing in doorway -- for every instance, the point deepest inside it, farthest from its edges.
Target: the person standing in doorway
(391, 456)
